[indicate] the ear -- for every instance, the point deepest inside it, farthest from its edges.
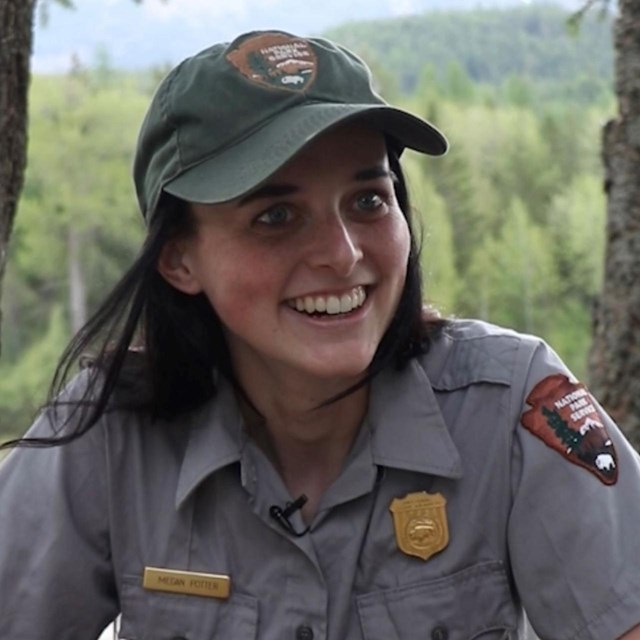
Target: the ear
(174, 266)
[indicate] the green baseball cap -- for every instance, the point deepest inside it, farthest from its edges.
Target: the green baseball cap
(224, 120)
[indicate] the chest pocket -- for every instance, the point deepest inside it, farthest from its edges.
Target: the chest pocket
(473, 604)
(152, 615)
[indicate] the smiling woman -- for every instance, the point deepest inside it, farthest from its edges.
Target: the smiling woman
(325, 233)
(274, 437)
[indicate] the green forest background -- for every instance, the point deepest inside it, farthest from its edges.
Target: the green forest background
(512, 218)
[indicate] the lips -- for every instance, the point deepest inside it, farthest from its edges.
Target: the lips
(330, 304)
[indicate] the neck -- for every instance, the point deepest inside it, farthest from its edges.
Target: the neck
(307, 443)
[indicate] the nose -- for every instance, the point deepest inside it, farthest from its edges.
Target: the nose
(335, 244)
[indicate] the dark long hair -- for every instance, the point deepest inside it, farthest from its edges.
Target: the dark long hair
(154, 349)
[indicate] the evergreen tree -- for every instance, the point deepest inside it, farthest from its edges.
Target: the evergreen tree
(568, 436)
(258, 65)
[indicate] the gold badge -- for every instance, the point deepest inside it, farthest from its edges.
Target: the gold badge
(420, 522)
(210, 585)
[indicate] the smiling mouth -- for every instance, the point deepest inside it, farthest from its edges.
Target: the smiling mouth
(330, 305)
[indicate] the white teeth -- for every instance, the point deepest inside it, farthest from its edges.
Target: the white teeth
(331, 305)
(346, 304)
(309, 304)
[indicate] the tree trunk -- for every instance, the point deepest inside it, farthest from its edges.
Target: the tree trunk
(16, 34)
(77, 285)
(615, 355)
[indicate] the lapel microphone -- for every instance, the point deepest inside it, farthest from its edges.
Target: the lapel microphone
(281, 516)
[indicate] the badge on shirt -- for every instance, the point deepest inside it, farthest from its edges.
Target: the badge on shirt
(420, 523)
(210, 585)
(566, 418)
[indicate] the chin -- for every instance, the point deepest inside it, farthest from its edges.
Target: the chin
(335, 370)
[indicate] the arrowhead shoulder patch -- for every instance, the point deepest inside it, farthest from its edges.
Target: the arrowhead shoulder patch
(566, 418)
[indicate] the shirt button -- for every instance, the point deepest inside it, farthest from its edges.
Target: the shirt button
(440, 633)
(303, 632)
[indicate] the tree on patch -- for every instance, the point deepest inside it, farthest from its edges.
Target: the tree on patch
(258, 65)
(568, 436)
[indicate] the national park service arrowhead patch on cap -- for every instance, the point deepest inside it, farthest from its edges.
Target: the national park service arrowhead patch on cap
(276, 60)
(566, 418)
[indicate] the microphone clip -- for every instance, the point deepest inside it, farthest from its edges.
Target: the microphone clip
(281, 516)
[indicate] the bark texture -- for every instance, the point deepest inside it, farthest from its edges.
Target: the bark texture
(615, 355)
(16, 35)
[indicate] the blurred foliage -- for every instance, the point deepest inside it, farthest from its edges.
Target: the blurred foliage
(534, 43)
(23, 383)
(511, 220)
(82, 130)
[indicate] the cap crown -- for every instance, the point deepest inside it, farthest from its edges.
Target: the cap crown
(225, 93)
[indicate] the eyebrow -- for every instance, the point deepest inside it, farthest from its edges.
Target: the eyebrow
(379, 171)
(277, 190)
(268, 191)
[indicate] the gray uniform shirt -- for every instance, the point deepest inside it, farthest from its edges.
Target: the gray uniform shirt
(528, 529)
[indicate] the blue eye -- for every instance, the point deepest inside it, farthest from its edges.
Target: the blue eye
(369, 201)
(275, 216)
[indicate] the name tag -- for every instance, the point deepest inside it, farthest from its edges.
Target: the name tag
(210, 585)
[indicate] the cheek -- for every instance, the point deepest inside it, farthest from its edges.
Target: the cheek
(394, 252)
(233, 305)
(238, 283)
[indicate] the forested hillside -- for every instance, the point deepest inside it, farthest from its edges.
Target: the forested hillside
(143, 34)
(532, 44)
(512, 217)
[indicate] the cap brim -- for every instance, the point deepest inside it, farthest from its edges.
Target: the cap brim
(237, 170)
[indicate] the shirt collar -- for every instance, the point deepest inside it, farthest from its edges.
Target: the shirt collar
(407, 427)
(408, 430)
(216, 439)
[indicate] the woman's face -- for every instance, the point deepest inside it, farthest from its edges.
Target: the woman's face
(305, 273)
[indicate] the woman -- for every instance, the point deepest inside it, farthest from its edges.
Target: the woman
(275, 439)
